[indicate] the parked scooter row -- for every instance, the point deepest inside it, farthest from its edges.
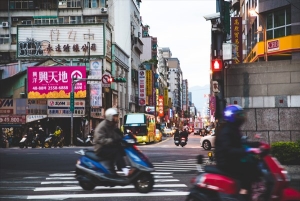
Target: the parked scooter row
(214, 184)
(50, 141)
(88, 141)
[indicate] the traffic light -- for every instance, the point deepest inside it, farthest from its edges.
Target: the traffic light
(118, 79)
(110, 80)
(217, 67)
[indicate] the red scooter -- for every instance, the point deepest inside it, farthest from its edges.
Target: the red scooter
(215, 185)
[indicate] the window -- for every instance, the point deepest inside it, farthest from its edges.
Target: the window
(75, 19)
(73, 3)
(21, 4)
(92, 3)
(45, 21)
(279, 24)
(4, 38)
(26, 22)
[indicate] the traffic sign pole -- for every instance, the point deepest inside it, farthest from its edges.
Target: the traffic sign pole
(74, 82)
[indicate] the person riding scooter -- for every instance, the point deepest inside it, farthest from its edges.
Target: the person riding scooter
(184, 134)
(107, 140)
(230, 153)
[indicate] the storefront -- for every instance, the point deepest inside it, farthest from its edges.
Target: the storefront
(13, 126)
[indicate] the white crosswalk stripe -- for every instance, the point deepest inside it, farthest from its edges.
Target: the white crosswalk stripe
(59, 186)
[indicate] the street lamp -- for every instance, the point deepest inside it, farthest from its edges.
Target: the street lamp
(263, 29)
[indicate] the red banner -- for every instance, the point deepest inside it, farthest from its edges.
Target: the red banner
(12, 119)
(161, 106)
(236, 37)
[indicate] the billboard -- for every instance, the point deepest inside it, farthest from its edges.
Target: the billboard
(149, 84)
(55, 82)
(61, 108)
(60, 40)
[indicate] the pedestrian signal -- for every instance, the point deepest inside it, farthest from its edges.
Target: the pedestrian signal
(217, 65)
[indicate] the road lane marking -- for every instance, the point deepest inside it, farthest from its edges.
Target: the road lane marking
(98, 195)
(104, 187)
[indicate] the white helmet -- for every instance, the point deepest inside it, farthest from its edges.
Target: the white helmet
(110, 112)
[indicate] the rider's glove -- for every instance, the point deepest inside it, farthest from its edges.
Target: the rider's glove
(253, 150)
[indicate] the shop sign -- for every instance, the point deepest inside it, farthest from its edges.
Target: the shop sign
(236, 37)
(43, 41)
(96, 89)
(142, 87)
(273, 45)
(12, 119)
(7, 106)
(149, 82)
(30, 118)
(160, 106)
(149, 109)
(55, 82)
(61, 108)
(166, 97)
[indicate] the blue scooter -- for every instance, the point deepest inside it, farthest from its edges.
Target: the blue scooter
(92, 171)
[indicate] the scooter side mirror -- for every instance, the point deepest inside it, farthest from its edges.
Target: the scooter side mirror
(199, 159)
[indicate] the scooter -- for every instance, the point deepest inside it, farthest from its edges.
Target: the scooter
(23, 141)
(176, 141)
(183, 141)
(53, 141)
(35, 141)
(85, 142)
(214, 184)
(92, 171)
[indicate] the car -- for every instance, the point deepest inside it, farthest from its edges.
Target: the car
(158, 135)
(208, 142)
(168, 132)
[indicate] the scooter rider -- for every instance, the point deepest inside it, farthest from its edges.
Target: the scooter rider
(230, 153)
(107, 140)
(184, 134)
(176, 134)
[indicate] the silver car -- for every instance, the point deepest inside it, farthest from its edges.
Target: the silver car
(208, 142)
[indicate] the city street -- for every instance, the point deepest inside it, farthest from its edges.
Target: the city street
(48, 174)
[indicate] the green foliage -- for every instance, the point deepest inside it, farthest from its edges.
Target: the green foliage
(287, 153)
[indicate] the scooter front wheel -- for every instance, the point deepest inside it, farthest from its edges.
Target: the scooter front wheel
(144, 183)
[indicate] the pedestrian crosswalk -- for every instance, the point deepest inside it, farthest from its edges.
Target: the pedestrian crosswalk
(63, 185)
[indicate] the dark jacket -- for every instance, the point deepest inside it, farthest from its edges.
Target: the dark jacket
(105, 134)
(176, 134)
(229, 149)
(184, 134)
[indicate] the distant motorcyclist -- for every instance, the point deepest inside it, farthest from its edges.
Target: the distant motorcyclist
(176, 134)
(184, 134)
(57, 134)
(30, 135)
(107, 140)
(229, 151)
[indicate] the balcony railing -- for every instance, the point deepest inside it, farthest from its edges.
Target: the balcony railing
(138, 45)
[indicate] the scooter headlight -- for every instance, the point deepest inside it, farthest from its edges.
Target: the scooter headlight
(78, 162)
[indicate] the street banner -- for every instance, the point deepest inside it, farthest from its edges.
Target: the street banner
(55, 82)
(166, 97)
(142, 87)
(161, 106)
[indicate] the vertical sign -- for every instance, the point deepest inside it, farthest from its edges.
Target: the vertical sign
(236, 37)
(149, 85)
(166, 97)
(161, 106)
(96, 89)
(142, 87)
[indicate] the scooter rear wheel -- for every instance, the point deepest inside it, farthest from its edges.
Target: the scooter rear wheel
(144, 183)
(86, 185)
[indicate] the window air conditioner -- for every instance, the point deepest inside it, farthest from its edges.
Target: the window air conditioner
(4, 24)
(103, 10)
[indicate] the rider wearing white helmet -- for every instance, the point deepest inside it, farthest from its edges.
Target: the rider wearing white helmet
(107, 139)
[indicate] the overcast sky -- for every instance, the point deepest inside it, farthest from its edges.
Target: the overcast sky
(180, 25)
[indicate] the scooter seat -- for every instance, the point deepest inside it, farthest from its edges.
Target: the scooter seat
(214, 169)
(93, 156)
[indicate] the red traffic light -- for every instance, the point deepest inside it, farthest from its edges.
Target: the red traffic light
(111, 79)
(217, 65)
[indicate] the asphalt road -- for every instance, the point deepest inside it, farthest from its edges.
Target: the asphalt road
(48, 174)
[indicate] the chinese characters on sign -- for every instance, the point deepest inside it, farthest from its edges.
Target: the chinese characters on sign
(61, 108)
(12, 119)
(236, 37)
(142, 87)
(55, 82)
(160, 106)
(34, 42)
(149, 86)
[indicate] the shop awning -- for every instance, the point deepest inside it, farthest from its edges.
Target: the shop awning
(44, 17)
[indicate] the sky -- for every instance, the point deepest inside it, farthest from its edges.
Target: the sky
(180, 25)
